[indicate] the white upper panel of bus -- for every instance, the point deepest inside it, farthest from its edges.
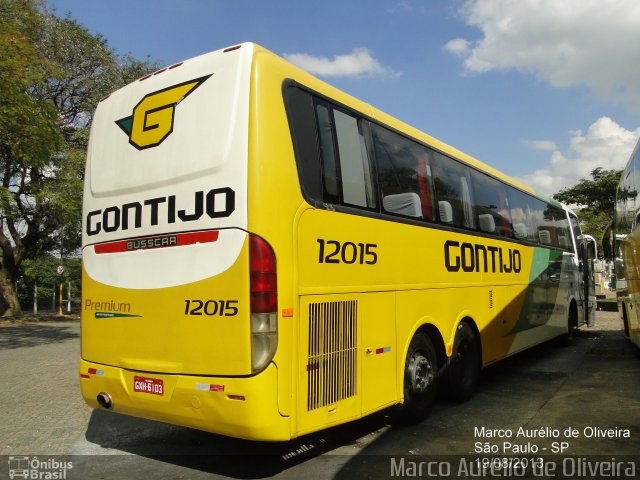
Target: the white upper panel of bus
(160, 148)
(205, 124)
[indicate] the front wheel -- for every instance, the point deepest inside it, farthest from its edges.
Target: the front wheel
(420, 380)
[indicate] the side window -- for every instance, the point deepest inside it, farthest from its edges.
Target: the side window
(335, 167)
(525, 225)
(327, 154)
(302, 124)
(632, 191)
(622, 225)
(491, 205)
(542, 223)
(453, 192)
(355, 171)
(547, 232)
(577, 232)
(404, 175)
(561, 224)
(346, 171)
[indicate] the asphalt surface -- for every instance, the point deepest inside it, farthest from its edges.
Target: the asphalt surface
(584, 399)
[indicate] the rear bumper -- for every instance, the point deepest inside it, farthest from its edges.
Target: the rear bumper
(237, 407)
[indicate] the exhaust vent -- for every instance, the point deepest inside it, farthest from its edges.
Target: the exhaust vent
(331, 364)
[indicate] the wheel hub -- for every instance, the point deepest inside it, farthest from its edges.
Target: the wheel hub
(421, 373)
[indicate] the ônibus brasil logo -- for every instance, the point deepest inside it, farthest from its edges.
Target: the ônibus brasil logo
(152, 119)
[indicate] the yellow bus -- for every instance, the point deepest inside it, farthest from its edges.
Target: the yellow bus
(265, 256)
(623, 241)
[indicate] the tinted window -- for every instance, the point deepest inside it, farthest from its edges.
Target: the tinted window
(562, 228)
(577, 232)
(491, 205)
(524, 225)
(453, 192)
(543, 217)
(327, 153)
(403, 174)
(334, 153)
(632, 191)
(627, 201)
(300, 110)
(355, 172)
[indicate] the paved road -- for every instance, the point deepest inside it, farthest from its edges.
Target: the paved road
(40, 412)
(590, 387)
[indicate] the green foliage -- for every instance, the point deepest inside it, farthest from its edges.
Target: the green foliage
(596, 199)
(53, 73)
(28, 124)
(597, 195)
(42, 272)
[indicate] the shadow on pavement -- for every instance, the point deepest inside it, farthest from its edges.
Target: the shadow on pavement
(510, 393)
(31, 335)
(216, 454)
(546, 385)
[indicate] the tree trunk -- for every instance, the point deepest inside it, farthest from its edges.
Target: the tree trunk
(9, 295)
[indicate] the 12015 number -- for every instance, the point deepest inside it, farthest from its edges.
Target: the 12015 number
(332, 251)
(222, 308)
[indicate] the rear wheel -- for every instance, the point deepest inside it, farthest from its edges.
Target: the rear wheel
(463, 367)
(420, 380)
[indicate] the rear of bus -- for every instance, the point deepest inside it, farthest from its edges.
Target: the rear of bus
(179, 299)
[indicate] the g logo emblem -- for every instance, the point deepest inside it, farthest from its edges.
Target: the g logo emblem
(152, 118)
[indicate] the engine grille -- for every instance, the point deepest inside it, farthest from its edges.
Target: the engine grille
(331, 364)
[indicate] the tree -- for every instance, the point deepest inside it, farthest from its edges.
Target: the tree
(597, 199)
(597, 195)
(53, 74)
(42, 271)
(28, 132)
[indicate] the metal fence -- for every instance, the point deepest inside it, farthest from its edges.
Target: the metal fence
(59, 297)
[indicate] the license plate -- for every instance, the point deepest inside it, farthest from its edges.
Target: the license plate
(148, 385)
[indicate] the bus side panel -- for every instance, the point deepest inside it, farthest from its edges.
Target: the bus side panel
(493, 309)
(543, 311)
(634, 320)
(629, 246)
(512, 289)
(274, 199)
(347, 357)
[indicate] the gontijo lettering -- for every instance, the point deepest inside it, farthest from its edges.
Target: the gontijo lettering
(475, 257)
(217, 203)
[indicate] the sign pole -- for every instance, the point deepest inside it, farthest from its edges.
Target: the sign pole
(60, 271)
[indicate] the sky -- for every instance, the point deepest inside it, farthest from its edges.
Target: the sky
(543, 90)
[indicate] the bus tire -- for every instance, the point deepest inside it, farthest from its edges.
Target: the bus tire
(625, 321)
(463, 367)
(420, 380)
(566, 339)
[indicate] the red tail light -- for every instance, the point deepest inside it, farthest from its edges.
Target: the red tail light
(263, 278)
